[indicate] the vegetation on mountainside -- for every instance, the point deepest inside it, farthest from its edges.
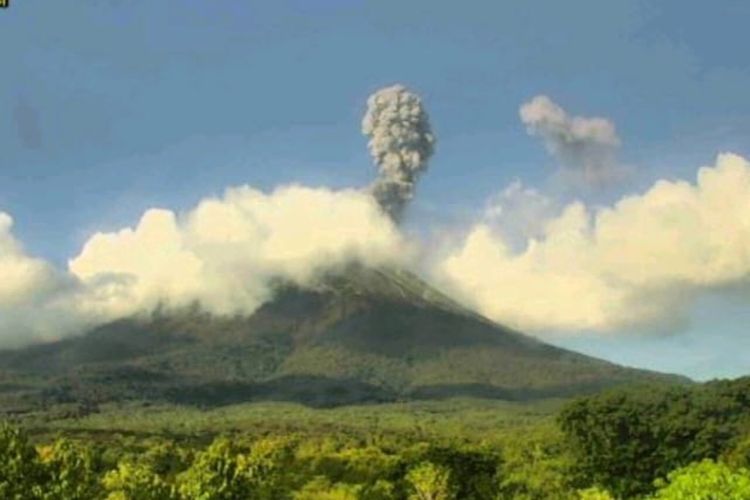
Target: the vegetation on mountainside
(365, 335)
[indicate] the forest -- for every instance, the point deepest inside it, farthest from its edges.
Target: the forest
(641, 442)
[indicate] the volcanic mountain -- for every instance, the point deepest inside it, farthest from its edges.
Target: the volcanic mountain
(359, 335)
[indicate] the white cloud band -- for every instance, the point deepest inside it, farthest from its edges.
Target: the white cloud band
(635, 264)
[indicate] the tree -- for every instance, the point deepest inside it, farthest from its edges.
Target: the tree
(473, 470)
(705, 480)
(535, 466)
(21, 473)
(136, 481)
(430, 482)
(215, 475)
(594, 493)
(73, 471)
(739, 454)
(268, 469)
(321, 488)
(624, 439)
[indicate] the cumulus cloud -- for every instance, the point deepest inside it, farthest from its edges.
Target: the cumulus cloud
(518, 213)
(585, 147)
(224, 254)
(635, 264)
(529, 262)
(33, 295)
(22, 274)
(401, 144)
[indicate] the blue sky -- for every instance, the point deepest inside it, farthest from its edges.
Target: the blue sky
(109, 108)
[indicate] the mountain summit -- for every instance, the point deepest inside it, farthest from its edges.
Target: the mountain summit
(357, 335)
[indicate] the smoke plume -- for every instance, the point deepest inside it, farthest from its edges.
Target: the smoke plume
(584, 146)
(401, 143)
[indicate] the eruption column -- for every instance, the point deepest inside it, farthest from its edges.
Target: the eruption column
(401, 143)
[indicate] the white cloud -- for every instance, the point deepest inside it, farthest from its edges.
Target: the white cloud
(225, 252)
(635, 264)
(21, 275)
(527, 263)
(32, 294)
(518, 213)
(584, 146)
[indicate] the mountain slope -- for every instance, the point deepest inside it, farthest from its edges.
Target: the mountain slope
(360, 335)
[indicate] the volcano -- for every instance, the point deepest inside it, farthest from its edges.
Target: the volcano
(360, 335)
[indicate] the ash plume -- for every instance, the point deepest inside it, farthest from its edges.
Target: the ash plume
(401, 144)
(585, 146)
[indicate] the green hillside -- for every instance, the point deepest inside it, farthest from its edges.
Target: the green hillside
(358, 336)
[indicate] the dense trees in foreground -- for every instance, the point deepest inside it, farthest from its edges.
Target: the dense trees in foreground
(650, 443)
(625, 440)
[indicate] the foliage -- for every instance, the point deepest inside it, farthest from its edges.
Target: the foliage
(268, 468)
(321, 488)
(594, 493)
(430, 482)
(72, 470)
(625, 439)
(136, 481)
(21, 473)
(536, 467)
(705, 480)
(472, 470)
(600, 448)
(739, 454)
(217, 473)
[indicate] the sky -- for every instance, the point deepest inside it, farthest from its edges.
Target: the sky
(111, 108)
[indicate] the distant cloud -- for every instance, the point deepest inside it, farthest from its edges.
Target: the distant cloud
(637, 264)
(26, 121)
(585, 147)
